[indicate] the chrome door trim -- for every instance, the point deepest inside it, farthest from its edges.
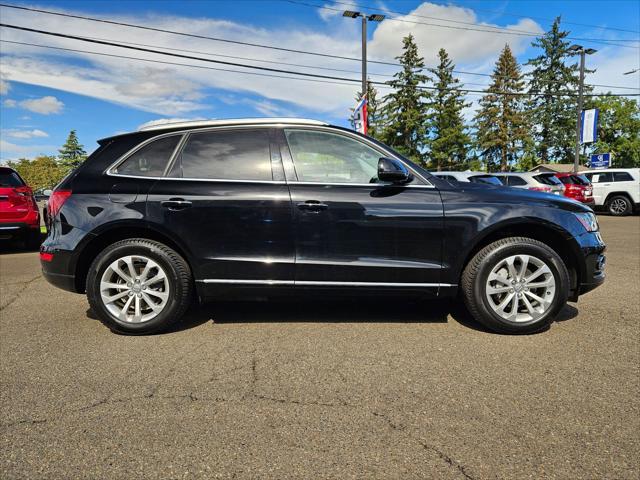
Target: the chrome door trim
(233, 281)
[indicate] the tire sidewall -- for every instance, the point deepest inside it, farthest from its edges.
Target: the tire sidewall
(557, 268)
(111, 254)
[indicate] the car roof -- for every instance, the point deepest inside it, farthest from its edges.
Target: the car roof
(601, 170)
(167, 127)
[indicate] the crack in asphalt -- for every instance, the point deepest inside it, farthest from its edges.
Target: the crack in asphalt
(442, 455)
(22, 290)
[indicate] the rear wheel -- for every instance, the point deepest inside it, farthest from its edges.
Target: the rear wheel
(139, 286)
(619, 205)
(515, 285)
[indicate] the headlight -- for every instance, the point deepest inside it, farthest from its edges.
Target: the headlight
(588, 221)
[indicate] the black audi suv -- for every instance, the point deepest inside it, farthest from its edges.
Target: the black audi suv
(207, 210)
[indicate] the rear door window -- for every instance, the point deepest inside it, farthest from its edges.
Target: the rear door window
(490, 179)
(622, 177)
(151, 159)
(226, 155)
(603, 177)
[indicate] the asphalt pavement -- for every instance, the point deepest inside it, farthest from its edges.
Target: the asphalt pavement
(330, 389)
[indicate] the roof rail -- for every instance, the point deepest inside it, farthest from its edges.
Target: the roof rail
(231, 121)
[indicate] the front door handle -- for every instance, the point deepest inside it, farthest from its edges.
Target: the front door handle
(312, 206)
(176, 204)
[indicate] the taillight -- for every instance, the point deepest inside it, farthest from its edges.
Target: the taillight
(46, 257)
(56, 200)
(541, 189)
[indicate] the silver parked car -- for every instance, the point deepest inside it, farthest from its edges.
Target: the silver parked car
(473, 177)
(540, 182)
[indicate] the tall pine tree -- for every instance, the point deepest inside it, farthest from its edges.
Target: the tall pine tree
(405, 108)
(448, 141)
(373, 120)
(502, 127)
(72, 153)
(554, 115)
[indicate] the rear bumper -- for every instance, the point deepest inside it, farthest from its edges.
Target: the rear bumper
(17, 229)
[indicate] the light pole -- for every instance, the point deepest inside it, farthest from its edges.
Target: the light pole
(582, 51)
(371, 18)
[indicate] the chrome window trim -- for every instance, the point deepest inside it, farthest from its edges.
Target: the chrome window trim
(338, 184)
(323, 283)
(186, 133)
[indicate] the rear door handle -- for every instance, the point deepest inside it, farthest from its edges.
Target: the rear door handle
(312, 206)
(176, 204)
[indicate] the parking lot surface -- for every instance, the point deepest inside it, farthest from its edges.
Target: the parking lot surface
(330, 389)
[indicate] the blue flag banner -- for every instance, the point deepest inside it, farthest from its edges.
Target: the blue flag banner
(589, 123)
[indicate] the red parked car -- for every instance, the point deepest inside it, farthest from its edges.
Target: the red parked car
(577, 187)
(19, 215)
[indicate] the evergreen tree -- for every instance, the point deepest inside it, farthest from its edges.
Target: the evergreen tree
(72, 153)
(404, 110)
(373, 120)
(554, 115)
(502, 126)
(448, 141)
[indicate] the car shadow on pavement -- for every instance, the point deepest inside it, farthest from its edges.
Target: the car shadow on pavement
(333, 311)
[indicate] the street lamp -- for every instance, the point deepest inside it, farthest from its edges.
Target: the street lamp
(371, 18)
(588, 51)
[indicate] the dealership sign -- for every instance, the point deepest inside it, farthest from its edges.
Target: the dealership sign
(600, 160)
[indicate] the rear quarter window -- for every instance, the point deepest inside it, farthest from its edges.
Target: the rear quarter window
(547, 179)
(151, 159)
(514, 181)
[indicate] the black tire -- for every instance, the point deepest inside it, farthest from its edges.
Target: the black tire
(177, 272)
(619, 205)
(476, 273)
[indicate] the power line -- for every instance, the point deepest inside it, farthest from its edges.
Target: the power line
(268, 69)
(379, 62)
(491, 11)
(499, 30)
(112, 55)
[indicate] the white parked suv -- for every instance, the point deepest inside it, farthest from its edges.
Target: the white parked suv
(473, 177)
(616, 189)
(540, 182)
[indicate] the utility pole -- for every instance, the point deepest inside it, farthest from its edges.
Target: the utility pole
(365, 18)
(582, 51)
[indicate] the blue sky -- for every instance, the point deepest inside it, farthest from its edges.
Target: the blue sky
(46, 93)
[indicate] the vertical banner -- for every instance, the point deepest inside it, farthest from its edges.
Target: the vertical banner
(589, 122)
(360, 116)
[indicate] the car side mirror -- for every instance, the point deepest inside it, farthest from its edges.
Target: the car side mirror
(392, 170)
(47, 193)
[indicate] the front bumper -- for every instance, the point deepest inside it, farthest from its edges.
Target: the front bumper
(592, 273)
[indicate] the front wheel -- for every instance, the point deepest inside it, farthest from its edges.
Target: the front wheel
(139, 286)
(619, 205)
(515, 285)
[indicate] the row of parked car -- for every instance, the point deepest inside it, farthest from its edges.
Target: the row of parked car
(617, 190)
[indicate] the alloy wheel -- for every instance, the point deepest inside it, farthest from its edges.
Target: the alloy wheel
(618, 206)
(134, 289)
(520, 288)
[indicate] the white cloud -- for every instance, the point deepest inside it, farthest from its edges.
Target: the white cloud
(462, 45)
(4, 87)
(12, 151)
(10, 103)
(15, 133)
(46, 105)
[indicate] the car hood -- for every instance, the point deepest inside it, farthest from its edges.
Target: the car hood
(518, 196)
